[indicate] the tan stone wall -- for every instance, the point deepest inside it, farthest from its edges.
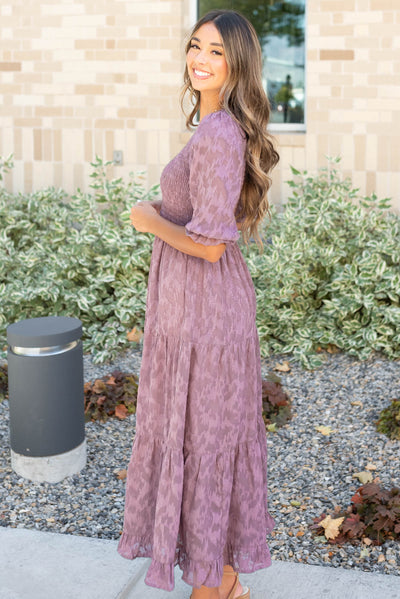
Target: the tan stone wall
(353, 96)
(86, 77)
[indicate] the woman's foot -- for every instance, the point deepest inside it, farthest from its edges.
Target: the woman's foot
(205, 593)
(223, 591)
(228, 583)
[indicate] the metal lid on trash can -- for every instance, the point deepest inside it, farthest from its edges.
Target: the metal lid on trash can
(44, 332)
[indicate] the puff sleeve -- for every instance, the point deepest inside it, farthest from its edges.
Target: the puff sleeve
(217, 164)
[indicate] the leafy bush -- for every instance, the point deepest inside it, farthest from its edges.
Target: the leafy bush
(329, 274)
(78, 257)
(374, 514)
(389, 420)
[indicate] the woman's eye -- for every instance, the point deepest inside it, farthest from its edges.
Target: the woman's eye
(195, 46)
(217, 52)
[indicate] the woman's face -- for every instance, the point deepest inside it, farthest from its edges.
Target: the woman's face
(205, 60)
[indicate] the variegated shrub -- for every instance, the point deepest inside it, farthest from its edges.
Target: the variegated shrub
(330, 272)
(329, 275)
(76, 256)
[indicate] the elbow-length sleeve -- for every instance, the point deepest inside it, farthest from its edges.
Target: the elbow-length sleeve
(217, 164)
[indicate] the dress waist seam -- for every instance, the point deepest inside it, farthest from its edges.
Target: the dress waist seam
(159, 440)
(181, 340)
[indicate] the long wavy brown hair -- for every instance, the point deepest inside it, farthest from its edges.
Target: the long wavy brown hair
(244, 98)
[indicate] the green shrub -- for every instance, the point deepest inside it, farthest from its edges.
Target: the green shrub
(329, 274)
(78, 257)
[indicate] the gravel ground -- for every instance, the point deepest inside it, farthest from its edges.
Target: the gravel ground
(304, 465)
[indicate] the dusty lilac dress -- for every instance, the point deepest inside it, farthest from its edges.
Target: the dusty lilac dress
(196, 491)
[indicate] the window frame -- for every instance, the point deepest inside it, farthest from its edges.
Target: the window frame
(279, 128)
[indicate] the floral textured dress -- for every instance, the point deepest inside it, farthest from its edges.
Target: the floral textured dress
(196, 491)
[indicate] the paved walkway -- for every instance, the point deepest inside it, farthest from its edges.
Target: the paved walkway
(43, 565)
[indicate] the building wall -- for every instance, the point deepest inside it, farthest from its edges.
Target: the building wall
(353, 96)
(86, 77)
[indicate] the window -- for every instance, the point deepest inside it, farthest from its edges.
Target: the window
(280, 26)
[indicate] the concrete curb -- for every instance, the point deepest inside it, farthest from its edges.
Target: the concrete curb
(45, 565)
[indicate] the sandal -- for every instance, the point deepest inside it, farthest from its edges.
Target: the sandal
(246, 590)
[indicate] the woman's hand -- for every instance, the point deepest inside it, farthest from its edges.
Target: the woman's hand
(156, 204)
(142, 216)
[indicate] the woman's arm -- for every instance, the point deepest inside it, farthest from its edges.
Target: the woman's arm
(146, 219)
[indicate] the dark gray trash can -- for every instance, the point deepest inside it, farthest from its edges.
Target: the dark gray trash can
(45, 378)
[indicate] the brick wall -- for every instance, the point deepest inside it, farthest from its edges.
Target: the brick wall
(353, 96)
(85, 77)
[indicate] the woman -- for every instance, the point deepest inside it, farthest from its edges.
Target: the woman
(196, 488)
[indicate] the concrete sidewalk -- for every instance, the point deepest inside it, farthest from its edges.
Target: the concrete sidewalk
(43, 565)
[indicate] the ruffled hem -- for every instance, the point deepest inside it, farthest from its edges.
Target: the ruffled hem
(209, 574)
(194, 572)
(179, 510)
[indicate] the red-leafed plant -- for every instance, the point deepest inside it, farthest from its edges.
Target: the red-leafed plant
(116, 394)
(389, 420)
(276, 403)
(112, 395)
(3, 382)
(374, 514)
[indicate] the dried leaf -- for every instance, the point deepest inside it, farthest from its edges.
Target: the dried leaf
(324, 430)
(134, 335)
(381, 558)
(367, 541)
(364, 477)
(99, 386)
(101, 400)
(271, 428)
(284, 367)
(331, 526)
(121, 474)
(357, 403)
(121, 411)
(332, 349)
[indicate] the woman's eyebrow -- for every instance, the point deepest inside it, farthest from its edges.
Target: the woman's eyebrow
(196, 39)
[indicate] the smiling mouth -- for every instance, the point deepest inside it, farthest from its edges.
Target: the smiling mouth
(201, 74)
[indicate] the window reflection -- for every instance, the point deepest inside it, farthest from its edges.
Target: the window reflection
(280, 26)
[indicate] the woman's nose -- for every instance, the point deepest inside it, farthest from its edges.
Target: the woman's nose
(201, 57)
